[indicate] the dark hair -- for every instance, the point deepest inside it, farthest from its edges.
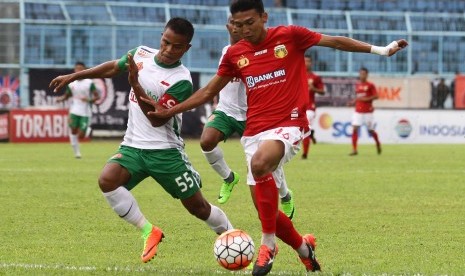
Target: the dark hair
(181, 26)
(245, 5)
(80, 63)
(364, 69)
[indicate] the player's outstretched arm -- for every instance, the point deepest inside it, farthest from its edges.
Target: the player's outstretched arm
(201, 96)
(352, 45)
(105, 70)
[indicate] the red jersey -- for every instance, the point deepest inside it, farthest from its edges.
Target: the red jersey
(364, 89)
(274, 73)
(316, 81)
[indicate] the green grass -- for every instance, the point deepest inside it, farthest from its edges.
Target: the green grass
(399, 213)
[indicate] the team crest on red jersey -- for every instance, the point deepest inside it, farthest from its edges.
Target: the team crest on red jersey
(242, 62)
(280, 51)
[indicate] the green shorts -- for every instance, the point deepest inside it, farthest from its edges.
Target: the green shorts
(226, 124)
(76, 121)
(169, 167)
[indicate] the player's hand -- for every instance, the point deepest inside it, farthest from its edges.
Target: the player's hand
(160, 111)
(401, 44)
(133, 77)
(60, 82)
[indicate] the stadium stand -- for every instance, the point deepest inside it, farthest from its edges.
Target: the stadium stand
(57, 33)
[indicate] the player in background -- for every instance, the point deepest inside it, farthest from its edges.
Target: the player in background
(365, 94)
(270, 61)
(315, 85)
(152, 147)
(229, 117)
(83, 94)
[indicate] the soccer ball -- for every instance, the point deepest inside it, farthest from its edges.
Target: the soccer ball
(234, 249)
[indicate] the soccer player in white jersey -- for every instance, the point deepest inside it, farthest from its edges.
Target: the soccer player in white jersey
(83, 94)
(228, 117)
(153, 147)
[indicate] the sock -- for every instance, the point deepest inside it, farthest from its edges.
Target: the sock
(286, 232)
(146, 229)
(218, 221)
(303, 249)
(125, 205)
(375, 136)
(266, 195)
(217, 162)
(269, 240)
(306, 146)
(354, 140)
(73, 139)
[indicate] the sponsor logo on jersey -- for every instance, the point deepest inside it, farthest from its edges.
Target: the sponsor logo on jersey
(165, 83)
(280, 51)
(242, 62)
(254, 80)
(140, 65)
(262, 52)
(143, 53)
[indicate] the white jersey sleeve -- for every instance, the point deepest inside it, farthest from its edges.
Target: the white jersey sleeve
(233, 97)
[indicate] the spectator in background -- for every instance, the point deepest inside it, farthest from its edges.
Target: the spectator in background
(83, 94)
(442, 90)
(452, 88)
(365, 95)
(315, 85)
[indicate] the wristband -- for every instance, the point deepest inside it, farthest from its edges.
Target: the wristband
(382, 51)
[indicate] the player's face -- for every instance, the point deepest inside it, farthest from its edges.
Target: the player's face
(250, 25)
(362, 75)
(78, 68)
(308, 63)
(172, 47)
(235, 37)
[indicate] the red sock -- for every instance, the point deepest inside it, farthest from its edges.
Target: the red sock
(286, 232)
(266, 195)
(306, 145)
(375, 136)
(354, 140)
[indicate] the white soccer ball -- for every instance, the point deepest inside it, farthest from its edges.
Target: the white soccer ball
(234, 249)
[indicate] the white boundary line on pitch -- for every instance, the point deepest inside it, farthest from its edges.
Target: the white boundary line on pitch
(93, 268)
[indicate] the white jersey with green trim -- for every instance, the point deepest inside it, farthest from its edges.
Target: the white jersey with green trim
(155, 80)
(233, 97)
(81, 91)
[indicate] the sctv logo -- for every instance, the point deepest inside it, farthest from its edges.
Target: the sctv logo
(341, 128)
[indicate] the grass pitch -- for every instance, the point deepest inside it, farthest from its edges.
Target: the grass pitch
(401, 213)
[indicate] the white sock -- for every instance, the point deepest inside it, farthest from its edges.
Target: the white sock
(218, 221)
(269, 240)
(303, 249)
(217, 162)
(73, 139)
(125, 205)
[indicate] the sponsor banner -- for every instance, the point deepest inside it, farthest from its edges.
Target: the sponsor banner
(333, 125)
(339, 91)
(459, 92)
(4, 126)
(412, 92)
(400, 92)
(109, 113)
(38, 125)
(9, 92)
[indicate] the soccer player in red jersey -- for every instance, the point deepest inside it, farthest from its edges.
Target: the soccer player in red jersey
(315, 85)
(365, 94)
(270, 61)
